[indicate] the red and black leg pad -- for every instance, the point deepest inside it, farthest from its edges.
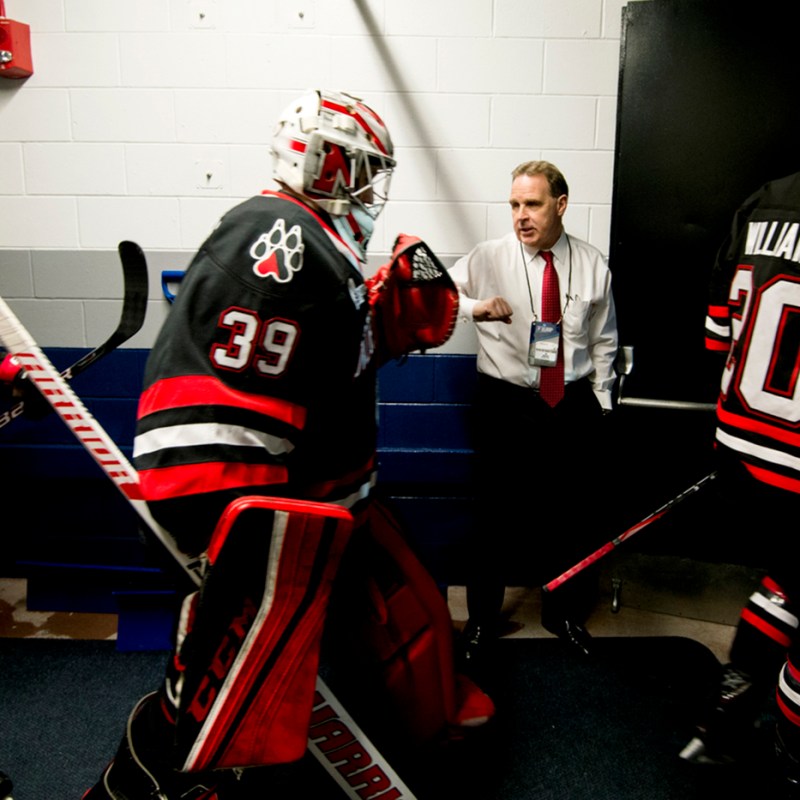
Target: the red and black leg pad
(249, 662)
(400, 633)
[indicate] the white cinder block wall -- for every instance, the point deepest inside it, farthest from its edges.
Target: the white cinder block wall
(146, 120)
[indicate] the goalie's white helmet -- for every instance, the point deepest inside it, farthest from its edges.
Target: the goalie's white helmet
(332, 148)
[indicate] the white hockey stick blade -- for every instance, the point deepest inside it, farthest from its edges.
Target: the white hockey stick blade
(55, 389)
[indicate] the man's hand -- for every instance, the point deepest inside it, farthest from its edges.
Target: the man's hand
(495, 309)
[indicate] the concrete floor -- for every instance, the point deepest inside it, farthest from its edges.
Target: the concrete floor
(16, 621)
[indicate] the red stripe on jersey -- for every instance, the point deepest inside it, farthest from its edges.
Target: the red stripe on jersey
(717, 344)
(757, 427)
(774, 479)
(765, 628)
(201, 390)
(794, 674)
(719, 312)
(164, 483)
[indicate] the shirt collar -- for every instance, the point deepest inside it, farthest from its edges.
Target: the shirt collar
(559, 250)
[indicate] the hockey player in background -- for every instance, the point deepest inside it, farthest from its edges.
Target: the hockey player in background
(754, 318)
(262, 382)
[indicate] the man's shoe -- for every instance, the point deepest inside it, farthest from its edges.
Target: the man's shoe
(472, 646)
(573, 634)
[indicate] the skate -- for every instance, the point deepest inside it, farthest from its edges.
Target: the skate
(726, 737)
(138, 771)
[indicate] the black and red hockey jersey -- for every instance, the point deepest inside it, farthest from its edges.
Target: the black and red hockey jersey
(754, 316)
(261, 380)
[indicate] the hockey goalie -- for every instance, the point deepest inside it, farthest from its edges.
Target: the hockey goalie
(255, 447)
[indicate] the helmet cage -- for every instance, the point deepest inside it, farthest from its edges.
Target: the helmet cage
(339, 171)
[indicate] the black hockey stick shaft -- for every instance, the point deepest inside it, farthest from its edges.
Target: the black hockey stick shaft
(632, 531)
(359, 784)
(134, 309)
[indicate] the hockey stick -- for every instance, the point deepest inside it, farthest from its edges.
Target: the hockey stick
(339, 734)
(634, 529)
(134, 307)
(63, 400)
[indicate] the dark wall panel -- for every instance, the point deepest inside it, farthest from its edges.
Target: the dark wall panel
(707, 112)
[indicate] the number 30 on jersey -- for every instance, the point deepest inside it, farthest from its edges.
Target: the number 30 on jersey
(765, 375)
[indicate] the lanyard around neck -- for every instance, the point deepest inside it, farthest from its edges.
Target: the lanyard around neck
(528, 278)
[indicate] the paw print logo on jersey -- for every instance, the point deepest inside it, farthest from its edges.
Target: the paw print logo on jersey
(279, 253)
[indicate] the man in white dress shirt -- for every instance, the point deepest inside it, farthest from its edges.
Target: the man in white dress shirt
(541, 467)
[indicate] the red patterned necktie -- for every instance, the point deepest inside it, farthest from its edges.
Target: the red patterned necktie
(551, 383)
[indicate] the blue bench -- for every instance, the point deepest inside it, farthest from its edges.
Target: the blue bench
(80, 546)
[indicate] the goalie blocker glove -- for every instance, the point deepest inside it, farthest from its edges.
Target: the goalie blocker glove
(413, 299)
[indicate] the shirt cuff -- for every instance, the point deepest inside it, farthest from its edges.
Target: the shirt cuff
(466, 305)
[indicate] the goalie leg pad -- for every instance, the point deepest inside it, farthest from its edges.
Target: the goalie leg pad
(249, 663)
(405, 631)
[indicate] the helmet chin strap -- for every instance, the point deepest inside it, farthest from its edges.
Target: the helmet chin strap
(336, 208)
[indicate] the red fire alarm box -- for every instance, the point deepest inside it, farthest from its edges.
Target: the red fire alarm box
(15, 47)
